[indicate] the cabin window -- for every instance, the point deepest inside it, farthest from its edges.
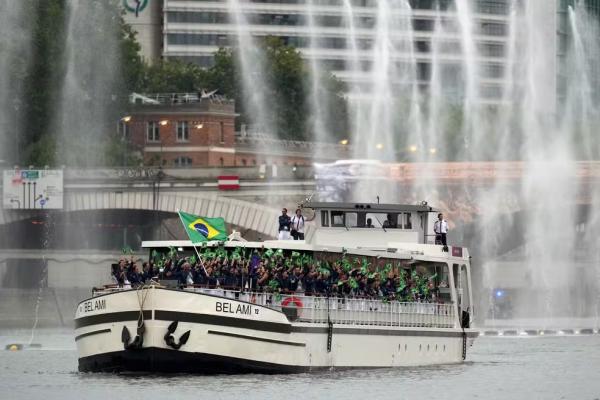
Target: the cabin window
(376, 220)
(407, 221)
(352, 219)
(391, 221)
(337, 218)
(324, 218)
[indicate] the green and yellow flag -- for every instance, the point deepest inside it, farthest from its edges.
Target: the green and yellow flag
(200, 229)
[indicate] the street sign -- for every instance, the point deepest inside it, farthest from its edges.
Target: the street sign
(32, 189)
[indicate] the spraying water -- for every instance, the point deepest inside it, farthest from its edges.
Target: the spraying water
(88, 108)
(470, 73)
(15, 37)
(255, 84)
(318, 96)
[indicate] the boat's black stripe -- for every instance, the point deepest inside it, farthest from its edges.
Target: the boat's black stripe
(166, 360)
(111, 317)
(91, 333)
(235, 335)
(222, 321)
(381, 332)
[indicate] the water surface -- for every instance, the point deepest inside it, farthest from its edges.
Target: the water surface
(565, 367)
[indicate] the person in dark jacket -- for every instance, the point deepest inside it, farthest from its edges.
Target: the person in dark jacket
(285, 223)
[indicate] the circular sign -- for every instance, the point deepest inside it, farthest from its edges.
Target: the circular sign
(42, 202)
(135, 6)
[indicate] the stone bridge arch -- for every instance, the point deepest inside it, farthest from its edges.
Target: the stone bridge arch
(244, 214)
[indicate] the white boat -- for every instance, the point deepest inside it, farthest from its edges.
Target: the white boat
(214, 330)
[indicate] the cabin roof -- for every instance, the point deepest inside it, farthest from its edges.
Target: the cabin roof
(394, 250)
(383, 208)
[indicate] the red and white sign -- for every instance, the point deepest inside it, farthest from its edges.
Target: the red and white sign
(229, 182)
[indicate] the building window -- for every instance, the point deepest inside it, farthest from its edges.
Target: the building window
(152, 134)
(182, 161)
(244, 162)
(221, 161)
(222, 132)
(124, 130)
(183, 132)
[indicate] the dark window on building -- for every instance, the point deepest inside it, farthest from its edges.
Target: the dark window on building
(124, 129)
(182, 162)
(152, 132)
(222, 132)
(183, 132)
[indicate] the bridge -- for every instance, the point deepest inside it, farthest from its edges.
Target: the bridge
(455, 188)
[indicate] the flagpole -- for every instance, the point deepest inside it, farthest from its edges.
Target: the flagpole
(194, 246)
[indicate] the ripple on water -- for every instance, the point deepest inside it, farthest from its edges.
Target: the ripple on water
(548, 368)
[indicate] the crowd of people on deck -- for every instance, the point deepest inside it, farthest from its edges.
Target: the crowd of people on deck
(267, 270)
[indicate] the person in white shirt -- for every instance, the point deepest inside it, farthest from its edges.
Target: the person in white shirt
(298, 225)
(440, 227)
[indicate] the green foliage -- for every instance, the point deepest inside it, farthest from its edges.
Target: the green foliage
(222, 75)
(42, 151)
(41, 132)
(41, 88)
(171, 76)
(132, 63)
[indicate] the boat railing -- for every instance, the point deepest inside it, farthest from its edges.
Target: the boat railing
(299, 307)
(347, 311)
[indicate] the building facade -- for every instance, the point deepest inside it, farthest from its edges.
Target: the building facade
(181, 130)
(198, 130)
(145, 17)
(193, 30)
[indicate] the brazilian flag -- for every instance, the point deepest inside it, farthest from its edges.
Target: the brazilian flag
(201, 229)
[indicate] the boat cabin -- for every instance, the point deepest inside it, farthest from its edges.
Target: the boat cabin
(368, 225)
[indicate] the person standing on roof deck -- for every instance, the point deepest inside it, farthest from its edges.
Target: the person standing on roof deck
(298, 225)
(284, 225)
(440, 227)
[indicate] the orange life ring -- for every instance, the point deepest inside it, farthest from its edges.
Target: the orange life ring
(292, 299)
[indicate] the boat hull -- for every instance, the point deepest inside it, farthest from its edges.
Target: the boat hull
(154, 359)
(230, 336)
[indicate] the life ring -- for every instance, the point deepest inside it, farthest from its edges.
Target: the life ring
(297, 302)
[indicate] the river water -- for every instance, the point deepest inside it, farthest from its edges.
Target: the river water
(559, 367)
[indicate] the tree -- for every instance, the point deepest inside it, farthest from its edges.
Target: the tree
(41, 86)
(171, 76)
(289, 80)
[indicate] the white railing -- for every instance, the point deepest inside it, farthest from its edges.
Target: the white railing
(342, 311)
(349, 311)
